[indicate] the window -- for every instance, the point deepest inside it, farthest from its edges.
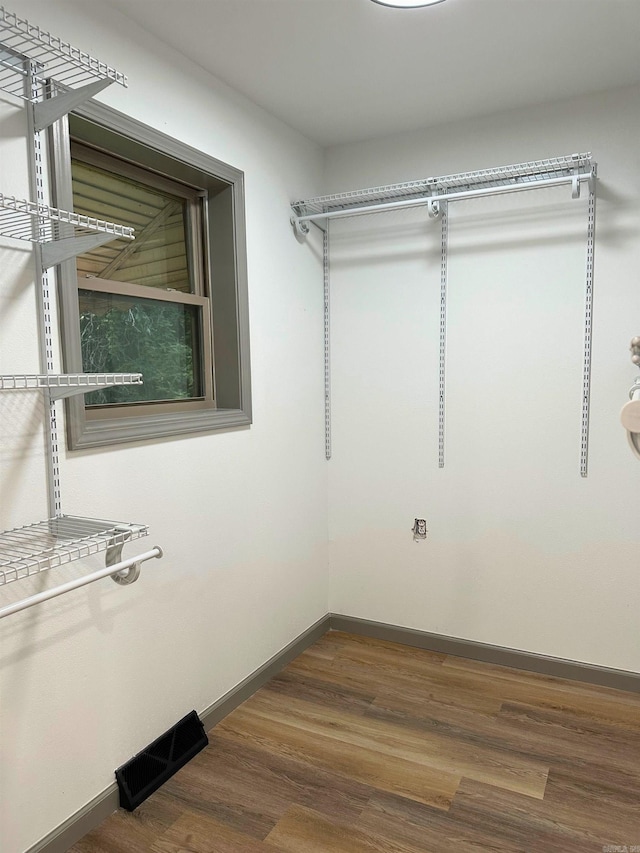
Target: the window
(172, 304)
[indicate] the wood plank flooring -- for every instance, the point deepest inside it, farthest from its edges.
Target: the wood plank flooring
(364, 746)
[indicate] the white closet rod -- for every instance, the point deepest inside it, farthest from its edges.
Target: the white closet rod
(445, 196)
(122, 566)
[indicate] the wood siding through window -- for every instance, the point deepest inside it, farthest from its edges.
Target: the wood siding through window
(362, 745)
(165, 215)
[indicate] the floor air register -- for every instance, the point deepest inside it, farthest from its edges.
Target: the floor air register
(149, 769)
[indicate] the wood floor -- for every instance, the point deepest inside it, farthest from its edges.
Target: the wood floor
(361, 745)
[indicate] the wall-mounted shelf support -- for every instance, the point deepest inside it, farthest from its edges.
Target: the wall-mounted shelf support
(125, 575)
(442, 367)
(588, 327)
(58, 251)
(327, 343)
(46, 112)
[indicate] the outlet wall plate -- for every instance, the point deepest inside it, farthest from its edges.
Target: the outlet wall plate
(419, 529)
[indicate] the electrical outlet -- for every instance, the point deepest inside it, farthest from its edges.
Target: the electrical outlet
(419, 529)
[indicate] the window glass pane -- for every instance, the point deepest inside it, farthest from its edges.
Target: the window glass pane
(158, 256)
(161, 340)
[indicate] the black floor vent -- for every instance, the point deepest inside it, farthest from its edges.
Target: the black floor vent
(149, 769)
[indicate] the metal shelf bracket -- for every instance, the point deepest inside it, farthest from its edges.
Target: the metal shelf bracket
(575, 185)
(300, 229)
(46, 112)
(434, 208)
(113, 556)
(57, 251)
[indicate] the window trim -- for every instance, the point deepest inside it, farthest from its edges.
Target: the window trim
(225, 223)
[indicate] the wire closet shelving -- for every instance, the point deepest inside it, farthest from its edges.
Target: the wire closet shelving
(60, 233)
(435, 194)
(63, 385)
(34, 548)
(53, 60)
(51, 77)
(573, 169)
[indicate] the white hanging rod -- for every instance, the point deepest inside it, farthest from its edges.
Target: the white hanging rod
(435, 199)
(117, 568)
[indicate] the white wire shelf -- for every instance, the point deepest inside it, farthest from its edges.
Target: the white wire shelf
(67, 384)
(29, 550)
(51, 59)
(519, 175)
(40, 223)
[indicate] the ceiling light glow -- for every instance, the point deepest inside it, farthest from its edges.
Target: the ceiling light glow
(407, 4)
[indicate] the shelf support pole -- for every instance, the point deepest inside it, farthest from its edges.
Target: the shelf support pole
(327, 342)
(444, 246)
(588, 328)
(33, 91)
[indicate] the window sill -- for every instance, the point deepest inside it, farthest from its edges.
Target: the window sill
(104, 432)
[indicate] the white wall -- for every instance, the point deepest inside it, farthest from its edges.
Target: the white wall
(90, 678)
(522, 552)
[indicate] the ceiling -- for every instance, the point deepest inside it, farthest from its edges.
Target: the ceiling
(347, 70)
